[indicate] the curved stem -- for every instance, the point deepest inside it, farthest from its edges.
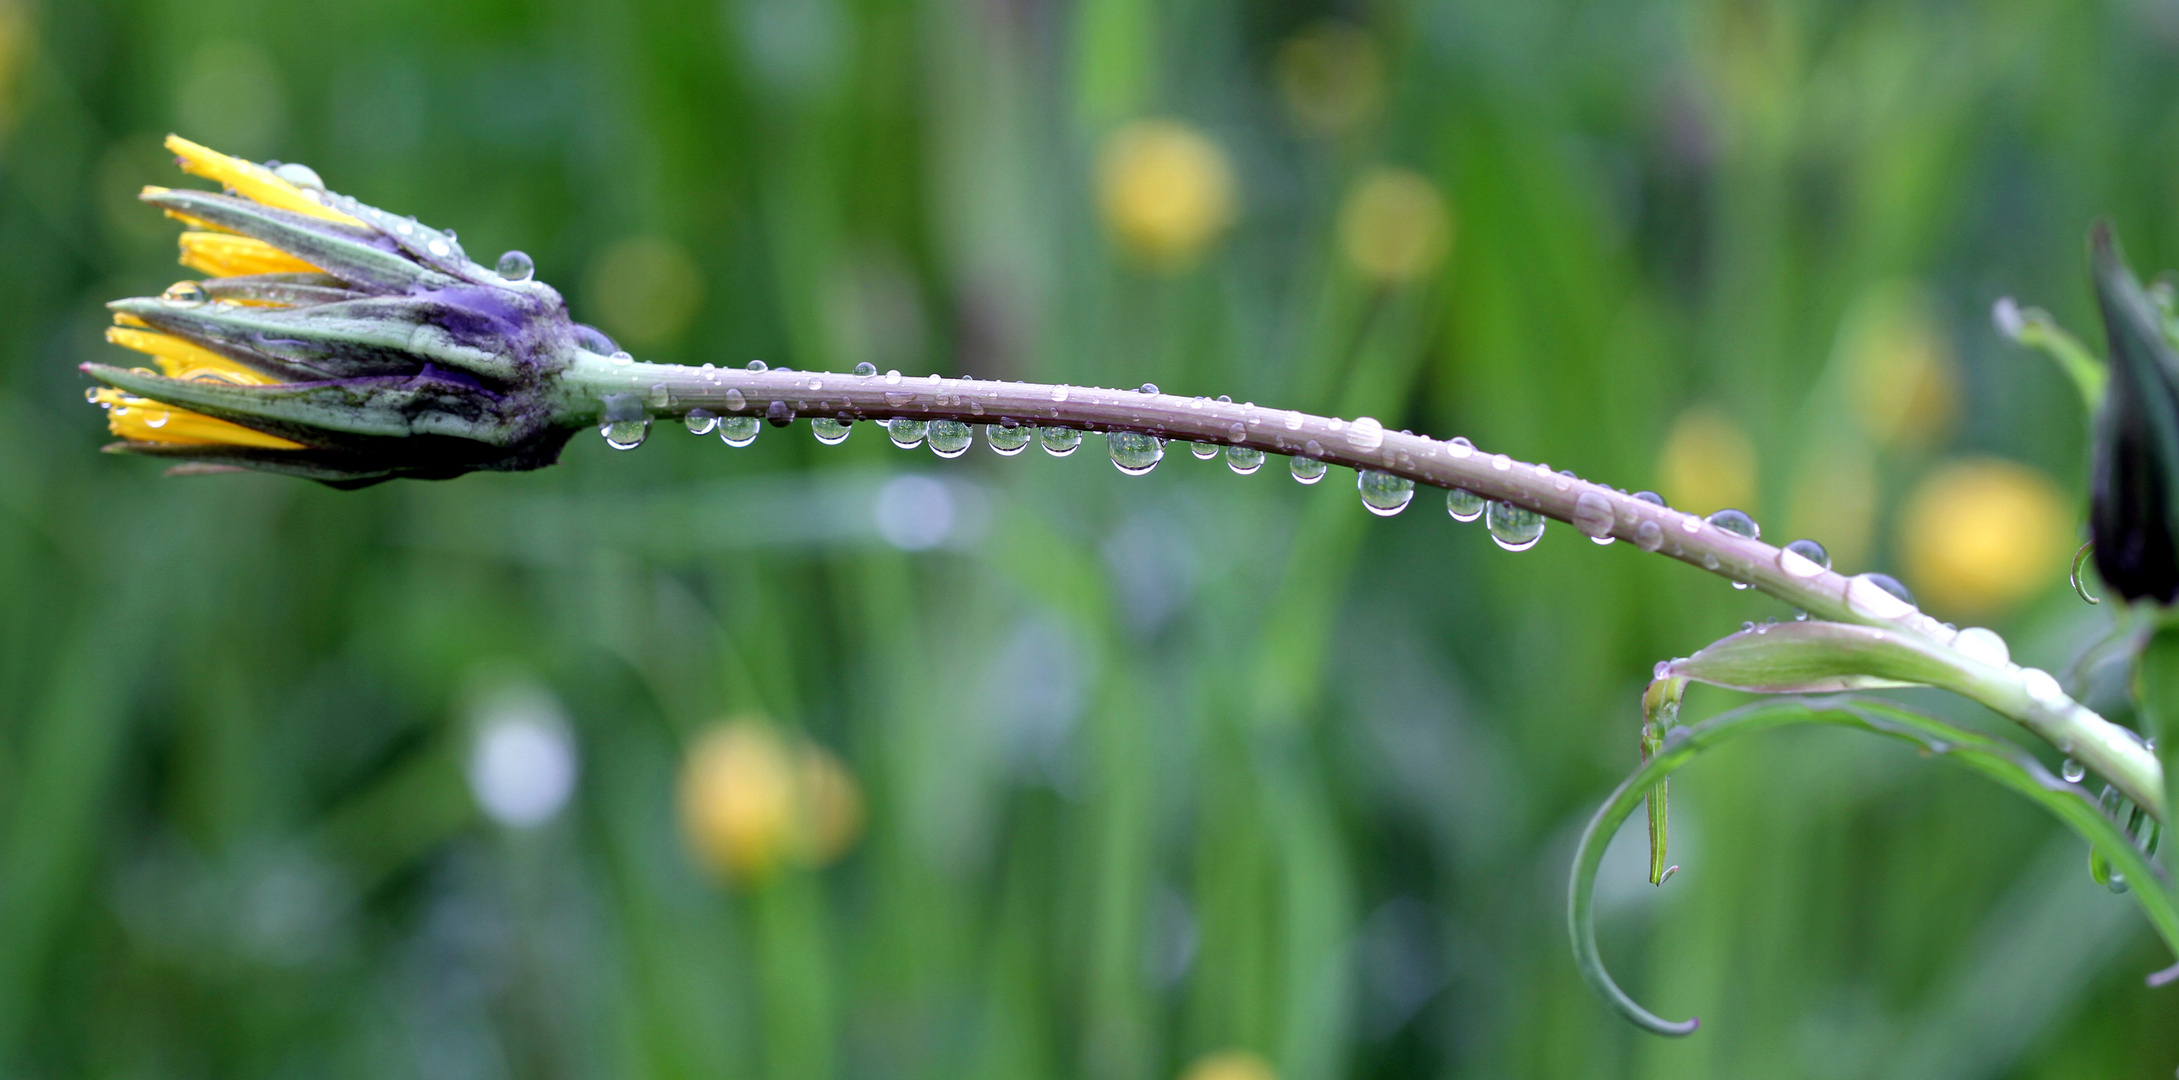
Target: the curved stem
(2001, 761)
(1596, 510)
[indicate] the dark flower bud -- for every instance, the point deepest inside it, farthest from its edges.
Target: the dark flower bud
(2132, 499)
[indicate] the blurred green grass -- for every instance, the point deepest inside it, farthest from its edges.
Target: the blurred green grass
(1155, 767)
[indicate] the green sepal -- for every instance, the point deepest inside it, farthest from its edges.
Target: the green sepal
(316, 414)
(371, 336)
(351, 253)
(1816, 657)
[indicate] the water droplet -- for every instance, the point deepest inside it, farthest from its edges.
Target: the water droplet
(1514, 528)
(157, 419)
(1059, 441)
(1149, 388)
(1461, 446)
(1293, 421)
(1564, 481)
(622, 357)
(2041, 687)
(90, 394)
(1463, 504)
(829, 430)
(516, 266)
(905, 433)
(1383, 493)
(2073, 771)
(779, 414)
(866, 369)
(625, 434)
(892, 377)
(815, 384)
(1244, 459)
(701, 421)
(1366, 434)
(300, 175)
(1737, 523)
(1650, 497)
(1008, 441)
(403, 227)
(739, 431)
(438, 247)
(1134, 453)
(1709, 560)
(759, 365)
(1983, 644)
(1593, 516)
(949, 438)
(735, 401)
(1305, 469)
(184, 294)
(1059, 393)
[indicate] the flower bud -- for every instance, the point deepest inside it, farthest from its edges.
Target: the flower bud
(334, 341)
(2133, 511)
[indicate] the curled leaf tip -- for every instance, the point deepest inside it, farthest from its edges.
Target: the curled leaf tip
(2080, 588)
(1667, 875)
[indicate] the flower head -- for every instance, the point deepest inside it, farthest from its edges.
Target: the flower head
(333, 340)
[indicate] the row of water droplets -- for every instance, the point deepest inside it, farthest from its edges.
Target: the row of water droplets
(1512, 527)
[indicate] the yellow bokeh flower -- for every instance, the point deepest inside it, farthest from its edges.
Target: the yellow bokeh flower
(1981, 534)
(1165, 191)
(1708, 463)
(1394, 226)
(1331, 77)
(1230, 1065)
(753, 799)
(1903, 380)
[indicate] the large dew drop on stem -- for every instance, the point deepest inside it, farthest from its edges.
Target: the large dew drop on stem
(1878, 596)
(1514, 528)
(949, 438)
(701, 421)
(1383, 494)
(625, 434)
(830, 431)
(739, 431)
(1059, 441)
(1244, 459)
(1306, 469)
(1008, 441)
(1462, 504)
(1984, 644)
(1133, 452)
(1803, 559)
(905, 433)
(1593, 516)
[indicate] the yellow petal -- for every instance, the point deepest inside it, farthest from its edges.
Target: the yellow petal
(144, 420)
(182, 359)
(226, 255)
(251, 181)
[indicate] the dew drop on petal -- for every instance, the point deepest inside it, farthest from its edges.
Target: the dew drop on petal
(1244, 459)
(1513, 527)
(1133, 452)
(184, 294)
(1383, 494)
(949, 438)
(1463, 505)
(1059, 441)
(738, 431)
(1308, 470)
(830, 431)
(905, 433)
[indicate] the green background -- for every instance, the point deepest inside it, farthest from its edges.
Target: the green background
(1155, 766)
